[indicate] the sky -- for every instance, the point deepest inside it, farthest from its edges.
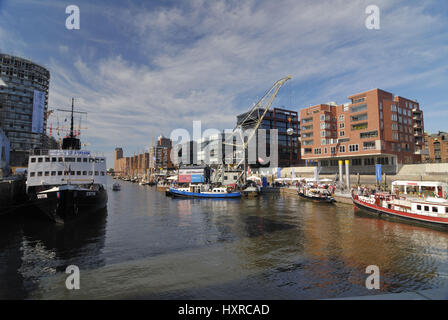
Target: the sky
(144, 68)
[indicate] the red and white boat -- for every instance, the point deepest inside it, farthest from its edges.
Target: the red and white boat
(412, 200)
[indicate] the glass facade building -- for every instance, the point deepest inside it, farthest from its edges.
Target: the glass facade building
(19, 79)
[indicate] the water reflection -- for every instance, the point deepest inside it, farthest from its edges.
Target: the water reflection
(272, 247)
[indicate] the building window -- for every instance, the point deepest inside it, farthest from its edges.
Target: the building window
(357, 162)
(332, 150)
(342, 133)
(342, 125)
(341, 148)
(322, 117)
(353, 148)
(369, 134)
(342, 118)
(359, 108)
(393, 108)
(394, 117)
(371, 145)
(359, 126)
(317, 151)
(359, 117)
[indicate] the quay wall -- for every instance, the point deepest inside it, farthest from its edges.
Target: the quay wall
(425, 172)
(12, 193)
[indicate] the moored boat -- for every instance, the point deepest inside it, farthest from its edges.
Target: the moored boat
(316, 192)
(66, 183)
(410, 200)
(116, 186)
(203, 191)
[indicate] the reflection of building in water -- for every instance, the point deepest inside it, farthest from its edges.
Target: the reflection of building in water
(349, 243)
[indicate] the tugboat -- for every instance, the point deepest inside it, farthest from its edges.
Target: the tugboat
(420, 201)
(66, 183)
(316, 192)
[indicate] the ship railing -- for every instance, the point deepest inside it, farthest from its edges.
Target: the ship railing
(46, 152)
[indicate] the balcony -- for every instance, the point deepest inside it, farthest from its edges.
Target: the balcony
(422, 152)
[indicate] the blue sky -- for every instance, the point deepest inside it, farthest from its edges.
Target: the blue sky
(143, 68)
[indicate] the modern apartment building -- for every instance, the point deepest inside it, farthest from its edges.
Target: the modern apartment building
(437, 148)
(375, 127)
(23, 105)
(282, 120)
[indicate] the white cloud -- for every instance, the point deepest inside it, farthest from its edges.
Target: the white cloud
(203, 57)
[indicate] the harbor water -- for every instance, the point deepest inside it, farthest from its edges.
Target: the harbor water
(148, 246)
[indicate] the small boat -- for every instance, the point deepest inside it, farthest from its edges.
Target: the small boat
(202, 191)
(316, 192)
(116, 186)
(421, 201)
(251, 189)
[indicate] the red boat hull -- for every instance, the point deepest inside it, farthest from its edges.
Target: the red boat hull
(404, 215)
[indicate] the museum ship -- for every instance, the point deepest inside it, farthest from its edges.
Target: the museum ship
(66, 183)
(421, 201)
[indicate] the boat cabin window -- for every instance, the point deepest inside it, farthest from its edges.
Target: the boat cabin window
(32, 174)
(47, 173)
(39, 174)
(435, 209)
(84, 173)
(90, 173)
(419, 207)
(40, 159)
(69, 159)
(59, 173)
(426, 208)
(60, 159)
(446, 209)
(91, 160)
(33, 160)
(96, 173)
(54, 159)
(53, 173)
(47, 159)
(78, 173)
(84, 159)
(78, 159)
(102, 173)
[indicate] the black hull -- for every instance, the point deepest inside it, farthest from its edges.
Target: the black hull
(317, 199)
(65, 205)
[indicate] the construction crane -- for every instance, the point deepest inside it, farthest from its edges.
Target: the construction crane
(262, 105)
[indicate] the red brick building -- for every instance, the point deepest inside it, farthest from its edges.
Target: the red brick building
(373, 128)
(437, 148)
